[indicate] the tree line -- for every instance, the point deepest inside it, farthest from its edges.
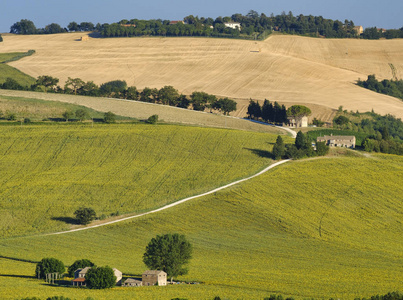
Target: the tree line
(392, 88)
(167, 95)
(253, 25)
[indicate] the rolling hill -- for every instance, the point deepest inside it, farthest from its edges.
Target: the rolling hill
(290, 69)
(319, 228)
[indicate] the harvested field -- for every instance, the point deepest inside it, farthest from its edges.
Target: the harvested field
(289, 69)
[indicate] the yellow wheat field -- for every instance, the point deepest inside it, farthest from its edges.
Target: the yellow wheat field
(290, 69)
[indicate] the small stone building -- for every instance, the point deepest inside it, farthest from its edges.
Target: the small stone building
(298, 121)
(132, 282)
(80, 273)
(345, 141)
(154, 277)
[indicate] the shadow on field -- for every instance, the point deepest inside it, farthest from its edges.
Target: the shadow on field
(17, 276)
(261, 153)
(67, 220)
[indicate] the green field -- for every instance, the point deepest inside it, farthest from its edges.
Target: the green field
(38, 110)
(7, 71)
(50, 171)
(328, 227)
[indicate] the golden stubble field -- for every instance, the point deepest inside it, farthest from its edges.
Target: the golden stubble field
(289, 69)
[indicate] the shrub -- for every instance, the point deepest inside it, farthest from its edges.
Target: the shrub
(152, 119)
(85, 215)
(100, 278)
(49, 265)
(11, 117)
(27, 120)
(109, 117)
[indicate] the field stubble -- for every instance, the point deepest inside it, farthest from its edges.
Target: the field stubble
(288, 69)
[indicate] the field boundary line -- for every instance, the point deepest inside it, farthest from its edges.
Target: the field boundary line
(175, 203)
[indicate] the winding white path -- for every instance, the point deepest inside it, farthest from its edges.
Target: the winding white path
(175, 203)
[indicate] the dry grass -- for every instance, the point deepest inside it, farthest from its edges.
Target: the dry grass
(289, 69)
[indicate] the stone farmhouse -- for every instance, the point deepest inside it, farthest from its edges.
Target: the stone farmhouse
(359, 29)
(79, 276)
(154, 277)
(148, 278)
(298, 122)
(345, 141)
(233, 25)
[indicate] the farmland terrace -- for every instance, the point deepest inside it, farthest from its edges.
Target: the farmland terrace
(319, 73)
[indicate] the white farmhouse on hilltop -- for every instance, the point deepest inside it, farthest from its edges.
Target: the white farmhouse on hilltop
(233, 25)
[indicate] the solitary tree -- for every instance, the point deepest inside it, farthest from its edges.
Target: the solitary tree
(49, 265)
(170, 253)
(81, 263)
(300, 140)
(297, 111)
(100, 278)
(85, 215)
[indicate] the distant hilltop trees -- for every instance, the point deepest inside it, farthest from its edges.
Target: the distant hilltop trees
(250, 26)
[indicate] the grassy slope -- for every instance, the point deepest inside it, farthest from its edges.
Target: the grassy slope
(8, 71)
(258, 238)
(50, 171)
(37, 110)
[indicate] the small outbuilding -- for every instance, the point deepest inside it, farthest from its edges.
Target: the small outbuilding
(132, 282)
(154, 277)
(79, 282)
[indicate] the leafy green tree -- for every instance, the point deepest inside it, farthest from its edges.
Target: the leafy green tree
(73, 26)
(168, 95)
(81, 114)
(296, 111)
(109, 117)
(81, 263)
(68, 114)
(152, 119)
(85, 215)
(23, 27)
(132, 93)
(113, 88)
(170, 253)
(199, 100)
(183, 101)
(226, 105)
(49, 265)
(100, 278)
(47, 81)
(278, 148)
(1, 38)
(341, 121)
(53, 28)
(74, 84)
